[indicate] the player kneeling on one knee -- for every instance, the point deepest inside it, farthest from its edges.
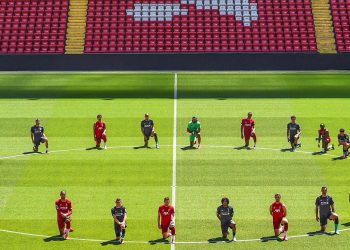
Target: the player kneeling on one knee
(38, 136)
(194, 129)
(225, 215)
(324, 136)
(119, 216)
(148, 130)
(278, 212)
(248, 130)
(343, 139)
(99, 131)
(293, 133)
(325, 210)
(64, 212)
(166, 219)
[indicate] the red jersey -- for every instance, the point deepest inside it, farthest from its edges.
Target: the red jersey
(63, 207)
(99, 128)
(322, 132)
(277, 210)
(248, 124)
(166, 213)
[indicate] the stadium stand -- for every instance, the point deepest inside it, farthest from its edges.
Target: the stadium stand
(200, 26)
(33, 26)
(341, 21)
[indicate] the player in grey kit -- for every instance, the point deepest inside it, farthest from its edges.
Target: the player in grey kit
(119, 216)
(293, 133)
(147, 129)
(325, 211)
(225, 215)
(37, 135)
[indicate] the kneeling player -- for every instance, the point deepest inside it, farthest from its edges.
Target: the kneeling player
(225, 215)
(293, 133)
(147, 129)
(323, 134)
(343, 139)
(38, 136)
(325, 210)
(119, 216)
(64, 212)
(194, 129)
(166, 219)
(99, 130)
(248, 129)
(278, 212)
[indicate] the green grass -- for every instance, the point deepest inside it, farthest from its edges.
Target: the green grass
(68, 105)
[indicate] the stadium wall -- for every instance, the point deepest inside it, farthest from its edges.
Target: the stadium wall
(175, 62)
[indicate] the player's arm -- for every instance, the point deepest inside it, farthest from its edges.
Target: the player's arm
(288, 132)
(284, 210)
(319, 137)
(159, 225)
(32, 136)
(218, 214)
(70, 210)
(271, 210)
(94, 130)
(299, 131)
(173, 216)
(116, 219)
(104, 128)
(242, 129)
(124, 217)
(316, 210)
(142, 128)
(333, 208)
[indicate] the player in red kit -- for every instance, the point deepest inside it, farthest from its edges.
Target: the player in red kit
(99, 130)
(279, 212)
(323, 135)
(248, 129)
(64, 212)
(166, 219)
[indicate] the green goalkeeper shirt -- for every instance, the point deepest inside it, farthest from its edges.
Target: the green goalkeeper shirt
(194, 126)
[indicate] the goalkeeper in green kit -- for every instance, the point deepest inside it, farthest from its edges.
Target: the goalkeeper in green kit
(194, 128)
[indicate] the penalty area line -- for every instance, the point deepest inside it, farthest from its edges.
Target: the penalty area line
(180, 242)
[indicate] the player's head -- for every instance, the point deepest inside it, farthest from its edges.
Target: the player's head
(322, 125)
(99, 117)
(225, 201)
(37, 121)
(293, 118)
(341, 131)
(250, 114)
(194, 119)
(146, 116)
(63, 195)
(167, 201)
(277, 197)
(324, 190)
(118, 202)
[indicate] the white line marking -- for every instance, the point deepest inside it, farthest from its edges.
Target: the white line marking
(116, 147)
(174, 149)
(180, 242)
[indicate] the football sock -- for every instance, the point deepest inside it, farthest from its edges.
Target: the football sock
(254, 138)
(336, 224)
(156, 138)
(68, 225)
(285, 227)
(173, 231)
(344, 152)
(123, 233)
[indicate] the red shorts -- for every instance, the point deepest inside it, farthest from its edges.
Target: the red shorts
(247, 135)
(277, 223)
(165, 227)
(61, 222)
(99, 138)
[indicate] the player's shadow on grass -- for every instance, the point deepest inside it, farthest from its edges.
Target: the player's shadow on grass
(347, 224)
(242, 147)
(270, 238)
(159, 241)
(110, 242)
(318, 153)
(338, 158)
(139, 147)
(54, 238)
(93, 148)
(286, 149)
(219, 240)
(188, 148)
(317, 233)
(31, 152)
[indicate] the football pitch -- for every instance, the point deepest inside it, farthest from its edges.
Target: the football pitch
(67, 105)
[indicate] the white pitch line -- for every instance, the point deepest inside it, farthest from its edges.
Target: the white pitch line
(180, 242)
(116, 147)
(173, 189)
